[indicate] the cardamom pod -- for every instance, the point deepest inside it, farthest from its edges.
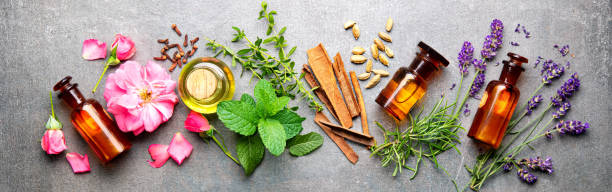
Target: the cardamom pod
(358, 50)
(358, 59)
(356, 31)
(384, 36)
(364, 76)
(349, 24)
(373, 82)
(374, 51)
(380, 72)
(389, 52)
(379, 44)
(369, 66)
(388, 26)
(383, 60)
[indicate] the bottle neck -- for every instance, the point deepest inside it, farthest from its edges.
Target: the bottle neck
(424, 67)
(72, 96)
(510, 73)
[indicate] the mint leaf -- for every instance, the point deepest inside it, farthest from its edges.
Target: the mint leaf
(291, 121)
(267, 102)
(272, 134)
(301, 145)
(246, 98)
(250, 152)
(238, 116)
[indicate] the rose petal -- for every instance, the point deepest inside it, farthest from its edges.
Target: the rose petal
(79, 163)
(151, 118)
(159, 154)
(53, 141)
(196, 122)
(179, 148)
(93, 49)
(125, 47)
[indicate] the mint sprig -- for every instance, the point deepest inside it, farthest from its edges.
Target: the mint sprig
(265, 122)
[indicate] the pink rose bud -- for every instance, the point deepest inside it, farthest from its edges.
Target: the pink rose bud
(196, 122)
(53, 141)
(125, 47)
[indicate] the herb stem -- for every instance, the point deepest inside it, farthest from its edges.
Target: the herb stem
(100, 79)
(222, 145)
(51, 98)
(465, 96)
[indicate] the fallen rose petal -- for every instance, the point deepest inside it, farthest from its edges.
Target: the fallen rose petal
(78, 162)
(53, 141)
(179, 148)
(196, 122)
(159, 154)
(93, 49)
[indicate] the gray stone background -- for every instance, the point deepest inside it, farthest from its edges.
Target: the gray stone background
(40, 43)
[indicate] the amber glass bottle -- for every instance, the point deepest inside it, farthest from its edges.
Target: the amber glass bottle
(92, 122)
(497, 104)
(408, 85)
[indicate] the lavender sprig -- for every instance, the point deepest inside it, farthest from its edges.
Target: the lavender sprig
(566, 90)
(551, 70)
(524, 175)
(465, 57)
(478, 82)
(539, 164)
(561, 110)
(533, 103)
(493, 41)
(572, 127)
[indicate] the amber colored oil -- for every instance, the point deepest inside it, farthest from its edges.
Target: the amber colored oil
(401, 93)
(93, 123)
(494, 112)
(497, 104)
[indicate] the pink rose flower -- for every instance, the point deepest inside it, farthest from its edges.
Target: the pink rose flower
(141, 98)
(93, 49)
(78, 162)
(196, 122)
(125, 47)
(53, 141)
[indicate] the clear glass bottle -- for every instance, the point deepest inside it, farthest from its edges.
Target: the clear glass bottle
(409, 84)
(204, 82)
(497, 104)
(92, 122)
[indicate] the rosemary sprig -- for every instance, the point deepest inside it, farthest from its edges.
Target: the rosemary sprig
(261, 63)
(426, 137)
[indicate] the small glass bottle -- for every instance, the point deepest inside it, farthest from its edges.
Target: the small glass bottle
(497, 104)
(92, 122)
(408, 85)
(204, 82)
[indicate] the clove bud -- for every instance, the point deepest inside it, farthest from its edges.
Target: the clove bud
(178, 32)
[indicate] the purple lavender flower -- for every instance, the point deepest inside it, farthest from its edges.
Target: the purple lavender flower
(480, 65)
(551, 70)
(564, 50)
(478, 82)
(493, 41)
(561, 110)
(533, 103)
(567, 65)
(572, 127)
(514, 43)
(527, 34)
(466, 111)
(517, 28)
(539, 164)
(524, 175)
(465, 57)
(566, 90)
(548, 134)
(537, 62)
(453, 86)
(508, 166)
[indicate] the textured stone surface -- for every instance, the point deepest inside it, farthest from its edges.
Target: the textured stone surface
(40, 43)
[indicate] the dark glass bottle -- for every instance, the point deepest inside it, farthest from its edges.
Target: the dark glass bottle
(92, 122)
(409, 84)
(497, 104)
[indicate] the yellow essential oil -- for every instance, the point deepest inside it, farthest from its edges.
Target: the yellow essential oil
(204, 82)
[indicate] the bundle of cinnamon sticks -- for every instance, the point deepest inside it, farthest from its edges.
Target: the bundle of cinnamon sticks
(335, 91)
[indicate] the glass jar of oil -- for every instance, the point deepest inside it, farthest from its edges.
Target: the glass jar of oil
(204, 82)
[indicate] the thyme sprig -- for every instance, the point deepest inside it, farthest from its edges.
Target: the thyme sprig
(261, 63)
(426, 137)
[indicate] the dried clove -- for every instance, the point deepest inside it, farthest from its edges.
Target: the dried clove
(172, 67)
(193, 50)
(193, 41)
(164, 41)
(178, 32)
(172, 46)
(185, 42)
(180, 50)
(160, 58)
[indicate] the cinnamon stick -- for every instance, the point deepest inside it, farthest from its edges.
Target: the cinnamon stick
(364, 117)
(340, 142)
(345, 86)
(319, 92)
(322, 69)
(351, 134)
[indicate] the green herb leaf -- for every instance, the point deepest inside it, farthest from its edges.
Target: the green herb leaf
(291, 121)
(238, 116)
(291, 52)
(112, 60)
(246, 98)
(264, 5)
(303, 144)
(250, 152)
(267, 102)
(244, 51)
(272, 134)
(282, 31)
